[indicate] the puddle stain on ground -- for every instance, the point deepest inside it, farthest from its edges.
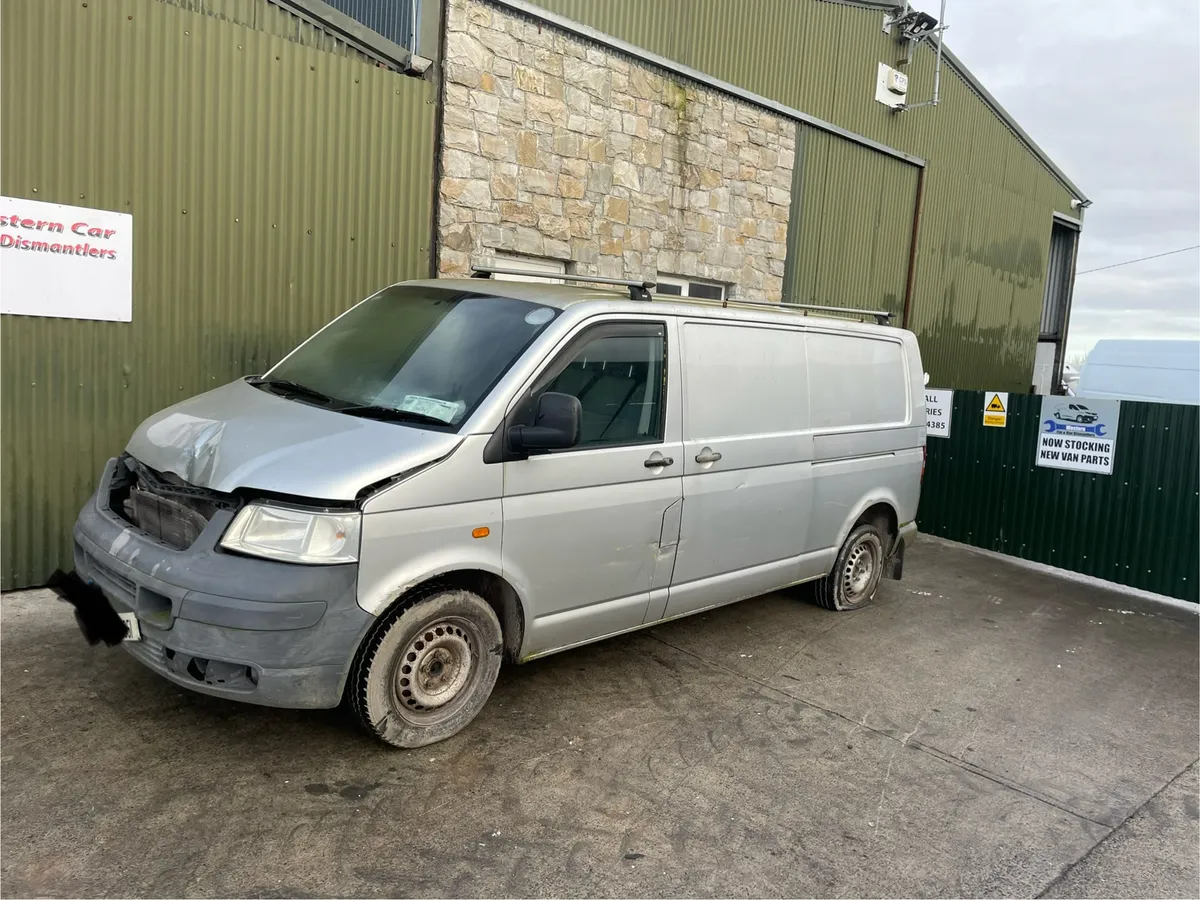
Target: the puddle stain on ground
(349, 792)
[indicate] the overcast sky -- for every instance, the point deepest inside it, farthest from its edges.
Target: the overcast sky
(1111, 91)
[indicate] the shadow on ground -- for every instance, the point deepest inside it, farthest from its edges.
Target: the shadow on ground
(983, 729)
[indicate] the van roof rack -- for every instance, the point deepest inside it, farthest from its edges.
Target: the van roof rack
(880, 316)
(638, 290)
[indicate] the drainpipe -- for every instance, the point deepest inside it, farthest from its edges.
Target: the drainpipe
(439, 73)
(912, 249)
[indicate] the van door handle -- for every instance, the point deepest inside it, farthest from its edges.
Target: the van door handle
(658, 462)
(707, 456)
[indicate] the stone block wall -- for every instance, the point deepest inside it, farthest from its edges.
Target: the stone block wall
(555, 147)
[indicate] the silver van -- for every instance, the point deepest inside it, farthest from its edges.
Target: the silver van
(459, 472)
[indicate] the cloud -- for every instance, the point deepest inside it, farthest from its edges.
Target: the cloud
(1110, 91)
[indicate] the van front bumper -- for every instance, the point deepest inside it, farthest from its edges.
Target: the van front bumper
(247, 629)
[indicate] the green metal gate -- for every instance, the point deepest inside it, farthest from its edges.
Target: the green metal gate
(271, 184)
(1139, 526)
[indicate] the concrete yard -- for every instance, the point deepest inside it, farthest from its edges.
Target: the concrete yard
(983, 729)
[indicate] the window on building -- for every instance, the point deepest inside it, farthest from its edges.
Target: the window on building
(673, 285)
(534, 265)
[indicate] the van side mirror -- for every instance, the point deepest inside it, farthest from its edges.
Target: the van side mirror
(556, 425)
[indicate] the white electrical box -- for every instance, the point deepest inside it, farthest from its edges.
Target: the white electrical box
(891, 86)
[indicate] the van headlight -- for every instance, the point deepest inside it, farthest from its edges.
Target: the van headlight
(294, 535)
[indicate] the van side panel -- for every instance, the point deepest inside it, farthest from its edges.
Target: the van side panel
(856, 382)
(866, 444)
(745, 515)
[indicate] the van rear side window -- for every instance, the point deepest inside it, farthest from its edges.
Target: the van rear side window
(854, 381)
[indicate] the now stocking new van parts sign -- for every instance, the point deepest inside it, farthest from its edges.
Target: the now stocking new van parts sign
(1078, 434)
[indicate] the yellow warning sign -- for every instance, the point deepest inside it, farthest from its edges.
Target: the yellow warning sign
(995, 410)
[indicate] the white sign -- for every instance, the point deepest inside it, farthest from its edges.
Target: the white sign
(1078, 434)
(995, 409)
(938, 404)
(67, 262)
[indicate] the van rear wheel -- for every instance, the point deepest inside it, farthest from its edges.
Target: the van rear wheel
(426, 671)
(856, 573)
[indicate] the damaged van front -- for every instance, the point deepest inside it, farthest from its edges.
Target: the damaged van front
(226, 537)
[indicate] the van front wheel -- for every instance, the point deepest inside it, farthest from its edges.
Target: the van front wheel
(426, 671)
(856, 573)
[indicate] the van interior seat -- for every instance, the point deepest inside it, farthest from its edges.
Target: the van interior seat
(610, 397)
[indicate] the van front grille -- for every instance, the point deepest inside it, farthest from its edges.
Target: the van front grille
(163, 518)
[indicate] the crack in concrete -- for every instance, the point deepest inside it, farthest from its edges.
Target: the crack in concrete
(1114, 830)
(994, 777)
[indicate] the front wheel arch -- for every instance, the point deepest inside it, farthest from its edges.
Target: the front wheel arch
(501, 596)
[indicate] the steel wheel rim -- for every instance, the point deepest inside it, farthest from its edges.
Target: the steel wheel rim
(437, 671)
(862, 565)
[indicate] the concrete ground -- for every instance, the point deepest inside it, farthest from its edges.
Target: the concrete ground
(981, 730)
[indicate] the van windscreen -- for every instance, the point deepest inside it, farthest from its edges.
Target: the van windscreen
(429, 355)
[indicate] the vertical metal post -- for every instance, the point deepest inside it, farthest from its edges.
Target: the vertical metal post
(937, 69)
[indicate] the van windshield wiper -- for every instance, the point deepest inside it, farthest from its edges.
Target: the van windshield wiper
(391, 414)
(282, 385)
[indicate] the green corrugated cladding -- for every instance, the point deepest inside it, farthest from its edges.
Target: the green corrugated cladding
(989, 202)
(1139, 526)
(272, 185)
(851, 225)
(262, 15)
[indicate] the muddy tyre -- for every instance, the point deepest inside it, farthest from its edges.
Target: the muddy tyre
(856, 573)
(424, 672)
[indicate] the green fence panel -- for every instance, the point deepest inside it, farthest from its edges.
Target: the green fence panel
(1139, 526)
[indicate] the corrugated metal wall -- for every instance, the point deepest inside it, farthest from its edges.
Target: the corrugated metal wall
(1139, 526)
(262, 15)
(271, 184)
(852, 227)
(985, 228)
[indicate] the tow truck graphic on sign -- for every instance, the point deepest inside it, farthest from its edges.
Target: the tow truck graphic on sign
(1078, 436)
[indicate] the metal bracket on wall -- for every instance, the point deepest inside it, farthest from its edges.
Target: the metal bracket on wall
(915, 27)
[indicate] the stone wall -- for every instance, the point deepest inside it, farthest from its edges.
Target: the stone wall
(555, 147)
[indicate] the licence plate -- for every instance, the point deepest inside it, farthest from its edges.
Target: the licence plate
(131, 622)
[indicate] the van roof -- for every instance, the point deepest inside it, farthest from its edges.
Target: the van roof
(562, 296)
(1155, 371)
(1147, 353)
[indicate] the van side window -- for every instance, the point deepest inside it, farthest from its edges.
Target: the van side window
(619, 375)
